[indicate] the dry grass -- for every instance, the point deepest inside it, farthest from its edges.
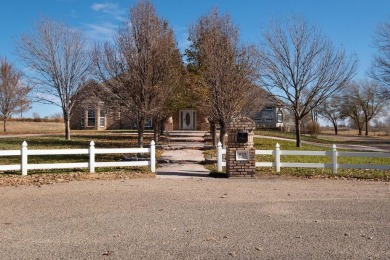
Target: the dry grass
(355, 132)
(17, 127)
(42, 179)
(53, 138)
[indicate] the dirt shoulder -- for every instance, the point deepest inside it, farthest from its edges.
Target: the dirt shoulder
(47, 179)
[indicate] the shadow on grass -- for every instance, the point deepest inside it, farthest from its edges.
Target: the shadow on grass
(216, 174)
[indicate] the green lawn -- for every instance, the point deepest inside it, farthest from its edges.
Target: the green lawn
(269, 144)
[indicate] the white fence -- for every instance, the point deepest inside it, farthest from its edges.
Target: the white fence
(91, 164)
(334, 154)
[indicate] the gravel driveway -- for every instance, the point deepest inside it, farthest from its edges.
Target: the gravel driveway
(202, 218)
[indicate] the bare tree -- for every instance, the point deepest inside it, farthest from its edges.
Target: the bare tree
(380, 69)
(142, 67)
(60, 64)
(364, 101)
(332, 110)
(226, 69)
(12, 91)
(301, 67)
(24, 105)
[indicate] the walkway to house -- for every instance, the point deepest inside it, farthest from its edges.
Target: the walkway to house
(183, 155)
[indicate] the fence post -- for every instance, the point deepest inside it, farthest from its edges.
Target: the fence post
(153, 156)
(24, 161)
(92, 157)
(277, 157)
(219, 157)
(334, 159)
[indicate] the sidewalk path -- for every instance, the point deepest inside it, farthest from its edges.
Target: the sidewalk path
(182, 163)
(182, 170)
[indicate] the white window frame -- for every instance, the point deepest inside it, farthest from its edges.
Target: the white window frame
(102, 118)
(89, 117)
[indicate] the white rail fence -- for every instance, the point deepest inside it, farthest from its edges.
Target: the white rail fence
(334, 154)
(24, 153)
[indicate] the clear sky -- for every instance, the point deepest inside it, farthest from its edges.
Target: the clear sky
(347, 23)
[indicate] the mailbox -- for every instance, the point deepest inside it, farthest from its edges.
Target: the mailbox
(242, 137)
(240, 153)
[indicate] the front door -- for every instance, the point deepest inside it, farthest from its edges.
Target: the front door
(188, 119)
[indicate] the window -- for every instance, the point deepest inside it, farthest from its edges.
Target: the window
(102, 118)
(280, 116)
(91, 117)
(148, 123)
(268, 108)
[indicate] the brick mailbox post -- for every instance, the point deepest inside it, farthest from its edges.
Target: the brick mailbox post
(240, 153)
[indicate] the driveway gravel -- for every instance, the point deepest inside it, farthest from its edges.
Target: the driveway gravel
(197, 218)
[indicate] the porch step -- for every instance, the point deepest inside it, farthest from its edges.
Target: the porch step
(176, 140)
(182, 145)
(183, 133)
(185, 139)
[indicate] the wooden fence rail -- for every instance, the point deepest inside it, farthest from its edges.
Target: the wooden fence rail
(333, 155)
(24, 153)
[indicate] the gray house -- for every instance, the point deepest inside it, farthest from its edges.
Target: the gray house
(270, 117)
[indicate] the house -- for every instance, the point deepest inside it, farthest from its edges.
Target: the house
(270, 117)
(91, 112)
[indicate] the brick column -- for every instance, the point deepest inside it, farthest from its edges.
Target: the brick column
(240, 153)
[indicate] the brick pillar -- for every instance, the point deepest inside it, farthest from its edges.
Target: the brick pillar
(240, 153)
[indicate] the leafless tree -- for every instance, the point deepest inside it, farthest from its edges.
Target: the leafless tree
(301, 67)
(59, 61)
(363, 102)
(380, 69)
(332, 110)
(226, 68)
(142, 67)
(12, 91)
(24, 105)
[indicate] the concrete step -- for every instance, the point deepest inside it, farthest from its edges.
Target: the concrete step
(185, 139)
(182, 133)
(183, 145)
(178, 140)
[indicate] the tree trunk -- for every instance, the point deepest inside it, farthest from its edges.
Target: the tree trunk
(141, 128)
(213, 133)
(162, 127)
(5, 124)
(335, 128)
(298, 131)
(67, 126)
(222, 133)
(156, 131)
(366, 127)
(360, 129)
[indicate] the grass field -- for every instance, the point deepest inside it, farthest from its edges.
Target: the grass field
(18, 127)
(54, 139)
(269, 144)
(80, 139)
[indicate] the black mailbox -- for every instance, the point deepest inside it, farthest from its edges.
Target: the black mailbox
(242, 137)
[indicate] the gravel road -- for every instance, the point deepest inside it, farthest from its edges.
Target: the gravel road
(200, 218)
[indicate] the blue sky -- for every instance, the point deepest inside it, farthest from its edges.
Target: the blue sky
(347, 23)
